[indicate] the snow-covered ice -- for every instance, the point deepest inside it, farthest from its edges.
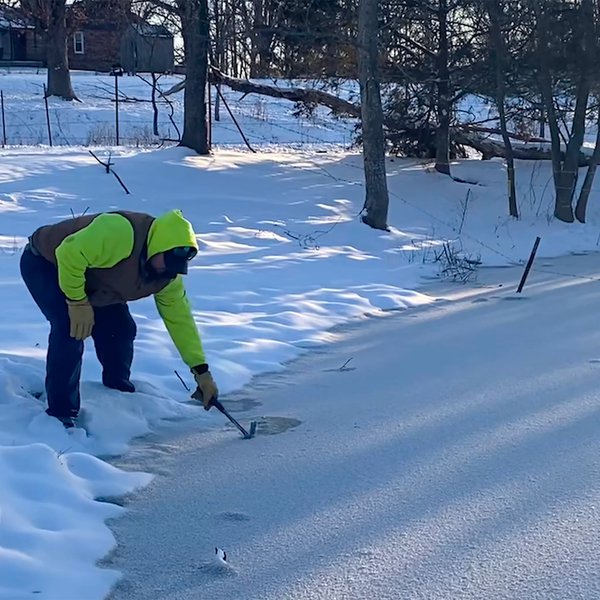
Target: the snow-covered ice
(458, 459)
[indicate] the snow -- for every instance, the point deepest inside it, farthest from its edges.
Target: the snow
(51, 521)
(285, 265)
(92, 120)
(456, 457)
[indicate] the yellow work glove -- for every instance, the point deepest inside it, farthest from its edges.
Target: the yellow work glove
(207, 390)
(81, 315)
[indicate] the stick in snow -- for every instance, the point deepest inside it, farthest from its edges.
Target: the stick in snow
(108, 167)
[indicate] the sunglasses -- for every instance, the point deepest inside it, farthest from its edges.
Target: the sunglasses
(183, 252)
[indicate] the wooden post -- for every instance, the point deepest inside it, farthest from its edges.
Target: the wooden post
(154, 106)
(529, 264)
(3, 119)
(209, 112)
(117, 106)
(234, 119)
(47, 115)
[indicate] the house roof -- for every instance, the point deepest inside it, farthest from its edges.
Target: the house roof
(13, 18)
(148, 30)
(112, 15)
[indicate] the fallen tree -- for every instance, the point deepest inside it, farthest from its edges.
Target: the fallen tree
(470, 135)
(490, 148)
(306, 96)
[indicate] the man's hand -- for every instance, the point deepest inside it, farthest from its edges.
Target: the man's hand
(207, 390)
(81, 315)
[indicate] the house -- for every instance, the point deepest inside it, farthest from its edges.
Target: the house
(101, 34)
(147, 48)
(19, 42)
(106, 33)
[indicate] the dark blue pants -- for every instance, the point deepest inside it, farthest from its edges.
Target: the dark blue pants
(113, 335)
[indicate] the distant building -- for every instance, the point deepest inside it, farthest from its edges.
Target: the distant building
(103, 33)
(19, 42)
(106, 33)
(147, 48)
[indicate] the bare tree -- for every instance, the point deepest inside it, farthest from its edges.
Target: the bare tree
(500, 51)
(586, 188)
(375, 210)
(444, 100)
(49, 17)
(195, 32)
(565, 171)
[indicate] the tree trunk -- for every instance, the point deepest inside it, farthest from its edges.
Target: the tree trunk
(566, 173)
(219, 58)
(562, 211)
(444, 103)
(57, 58)
(195, 32)
(154, 105)
(261, 39)
(584, 194)
(376, 204)
(565, 191)
(501, 54)
(587, 37)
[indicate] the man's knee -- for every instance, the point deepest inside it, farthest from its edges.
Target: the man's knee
(114, 322)
(61, 346)
(60, 326)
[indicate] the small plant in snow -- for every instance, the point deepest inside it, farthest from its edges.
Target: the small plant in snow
(420, 249)
(142, 136)
(455, 264)
(101, 135)
(260, 110)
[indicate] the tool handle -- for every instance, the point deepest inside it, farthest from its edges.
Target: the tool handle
(214, 402)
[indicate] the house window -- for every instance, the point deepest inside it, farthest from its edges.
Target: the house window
(78, 45)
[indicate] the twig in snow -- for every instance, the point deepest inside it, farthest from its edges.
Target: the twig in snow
(344, 368)
(183, 383)
(109, 169)
(309, 240)
(465, 206)
(60, 453)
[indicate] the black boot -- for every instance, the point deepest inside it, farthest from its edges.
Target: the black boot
(67, 421)
(122, 385)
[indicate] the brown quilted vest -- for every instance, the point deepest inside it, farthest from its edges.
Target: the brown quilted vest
(127, 280)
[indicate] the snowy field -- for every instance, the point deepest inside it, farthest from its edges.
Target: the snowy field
(92, 120)
(283, 260)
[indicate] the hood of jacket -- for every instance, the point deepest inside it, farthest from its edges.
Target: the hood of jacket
(168, 231)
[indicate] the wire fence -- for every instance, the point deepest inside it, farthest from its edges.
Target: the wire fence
(128, 117)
